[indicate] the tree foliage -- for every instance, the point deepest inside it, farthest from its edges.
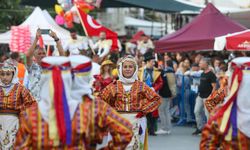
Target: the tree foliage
(11, 13)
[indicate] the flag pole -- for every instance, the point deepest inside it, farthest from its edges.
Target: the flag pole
(86, 33)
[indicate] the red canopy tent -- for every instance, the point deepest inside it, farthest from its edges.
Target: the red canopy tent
(200, 33)
(137, 36)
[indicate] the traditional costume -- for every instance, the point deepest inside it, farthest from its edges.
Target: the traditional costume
(152, 78)
(14, 98)
(228, 126)
(133, 99)
(101, 82)
(67, 117)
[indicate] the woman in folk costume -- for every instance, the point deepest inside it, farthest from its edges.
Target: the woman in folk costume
(67, 117)
(133, 99)
(105, 77)
(14, 98)
(229, 125)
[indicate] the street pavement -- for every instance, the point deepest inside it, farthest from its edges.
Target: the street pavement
(181, 138)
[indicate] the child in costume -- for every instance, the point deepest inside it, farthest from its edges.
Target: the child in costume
(14, 98)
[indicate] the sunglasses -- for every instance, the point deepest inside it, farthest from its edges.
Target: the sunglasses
(6, 74)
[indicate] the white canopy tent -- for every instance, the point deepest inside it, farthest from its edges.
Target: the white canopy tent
(237, 10)
(157, 28)
(39, 19)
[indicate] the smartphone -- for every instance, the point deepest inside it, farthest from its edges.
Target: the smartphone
(45, 31)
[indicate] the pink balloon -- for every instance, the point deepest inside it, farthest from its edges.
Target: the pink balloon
(59, 20)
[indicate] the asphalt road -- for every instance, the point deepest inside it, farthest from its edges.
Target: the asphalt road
(181, 138)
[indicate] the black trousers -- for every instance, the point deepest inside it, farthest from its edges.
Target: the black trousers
(152, 123)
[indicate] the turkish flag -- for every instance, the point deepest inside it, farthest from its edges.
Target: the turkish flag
(93, 28)
(41, 44)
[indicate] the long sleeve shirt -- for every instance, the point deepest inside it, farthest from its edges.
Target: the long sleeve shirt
(103, 47)
(16, 99)
(140, 98)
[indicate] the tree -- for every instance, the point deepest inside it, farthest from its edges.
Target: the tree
(11, 13)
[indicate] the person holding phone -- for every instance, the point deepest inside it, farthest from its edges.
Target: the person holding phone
(45, 31)
(33, 66)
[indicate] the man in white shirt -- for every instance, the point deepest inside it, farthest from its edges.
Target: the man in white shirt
(76, 43)
(144, 45)
(103, 45)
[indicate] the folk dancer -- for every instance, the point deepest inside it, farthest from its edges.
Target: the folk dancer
(67, 117)
(228, 126)
(133, 99)
(14, 98)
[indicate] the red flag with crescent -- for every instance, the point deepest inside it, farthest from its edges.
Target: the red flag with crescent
(93, 28)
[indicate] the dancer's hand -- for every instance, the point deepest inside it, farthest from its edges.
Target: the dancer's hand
(139, 115)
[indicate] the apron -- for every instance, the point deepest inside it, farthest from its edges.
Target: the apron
(9, 125)
(139, 139)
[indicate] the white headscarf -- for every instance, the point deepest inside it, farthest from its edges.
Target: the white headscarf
(135, 75)
(10, 67)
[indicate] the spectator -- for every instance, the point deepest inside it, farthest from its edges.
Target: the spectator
(105, 77)
(197, 58)
(216, 65)
(194, 74)
(206, 87)
(95, 69)
(183, 89)
(144, 45)
(131, 48)
(76, 43)
(167, 92)
(102, 46)
(34, 67)
(168, 56)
